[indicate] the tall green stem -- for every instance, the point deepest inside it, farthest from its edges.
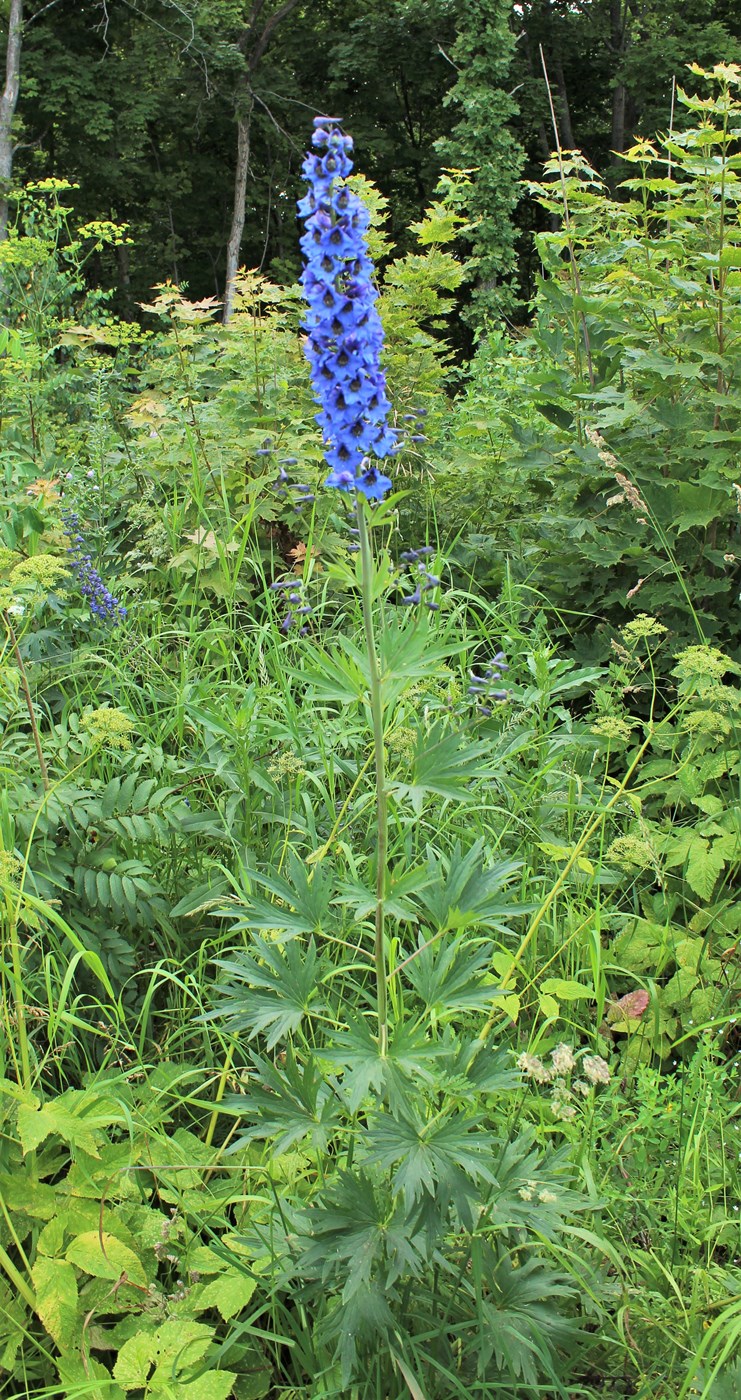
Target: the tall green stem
(376, 705)
(29, 702)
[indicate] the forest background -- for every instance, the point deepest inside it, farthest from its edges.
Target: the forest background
(369, 872)
(147, 105)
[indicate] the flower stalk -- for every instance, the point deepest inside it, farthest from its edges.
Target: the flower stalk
(379, 759)
(344, 345)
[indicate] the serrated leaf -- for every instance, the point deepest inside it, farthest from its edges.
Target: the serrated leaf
(20, 1192)
(567, 990)
(55, 1117)
(161, 1361)
(79, 1379)
(510, 1005)
(549, 1006)
(103, 1256)
(109, 797)
(228, 1294)
(704, 864)
(89, 885)
(55, 1286)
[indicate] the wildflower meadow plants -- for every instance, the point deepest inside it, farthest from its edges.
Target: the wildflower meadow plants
(418, 1245)
(368, 966)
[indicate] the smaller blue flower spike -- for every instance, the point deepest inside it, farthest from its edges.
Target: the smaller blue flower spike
(100, 600)
(344, 331)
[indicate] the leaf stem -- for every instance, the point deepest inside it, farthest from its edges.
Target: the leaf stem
(376, 706)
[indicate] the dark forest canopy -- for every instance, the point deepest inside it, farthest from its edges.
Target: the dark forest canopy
(149, 106)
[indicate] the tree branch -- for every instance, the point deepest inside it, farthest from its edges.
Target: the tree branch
(262, 43)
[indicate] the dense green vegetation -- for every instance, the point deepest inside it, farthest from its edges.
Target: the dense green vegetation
(370, 969)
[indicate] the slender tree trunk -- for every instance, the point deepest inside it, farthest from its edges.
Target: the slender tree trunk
(8, 104)
(619, 44)
(252, 44)
(567, 130)
(123, 280)
(617, 136)
(234, 244)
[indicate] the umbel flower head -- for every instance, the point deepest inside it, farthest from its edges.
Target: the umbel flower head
(344, 331)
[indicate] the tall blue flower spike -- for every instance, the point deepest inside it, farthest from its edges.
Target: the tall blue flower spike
(344, 331)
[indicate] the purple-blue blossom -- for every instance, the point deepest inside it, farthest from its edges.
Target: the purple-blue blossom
(101, 600)
(344, 331)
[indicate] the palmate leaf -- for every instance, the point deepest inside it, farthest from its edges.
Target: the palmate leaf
(285, 1106)
(350, 1227)
(359, 1247)
(334, 677)
(522, 1175)
(445, 763)
(402, 885)
(725, 1386)
(521, 1327)
(451, 976)
(408, 652)
(472, 1067)
(407, 1061)
(447, 1156)
(304, 904)
(461, 892)
(271, 990)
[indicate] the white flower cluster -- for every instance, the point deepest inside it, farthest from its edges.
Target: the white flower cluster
(565, 1090)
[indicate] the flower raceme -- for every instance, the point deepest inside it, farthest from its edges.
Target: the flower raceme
(344, 331)
(100, 599)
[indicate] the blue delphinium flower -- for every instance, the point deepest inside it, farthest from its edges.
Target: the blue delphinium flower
(344, 331)
(101, 600)
(485, 688)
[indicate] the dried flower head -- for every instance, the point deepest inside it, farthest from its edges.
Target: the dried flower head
(632, 852)
(562, 1059)
(8, 558)
(286, 764)
(11, 869)
(533, 1067)
(42, 571)
(596, 1070)
(613, 727)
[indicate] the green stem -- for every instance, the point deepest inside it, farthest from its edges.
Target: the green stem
(6, 1263)
(21, 1027)
(376, 705)
(29, 702)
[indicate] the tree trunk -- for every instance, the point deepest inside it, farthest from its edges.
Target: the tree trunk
(238, 211)
(567, 130)
(8, 104)
(619, 44)
(617, 138)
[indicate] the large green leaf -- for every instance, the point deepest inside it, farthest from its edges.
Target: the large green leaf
(99, 1253)
(55, 1286)
(271, 991)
